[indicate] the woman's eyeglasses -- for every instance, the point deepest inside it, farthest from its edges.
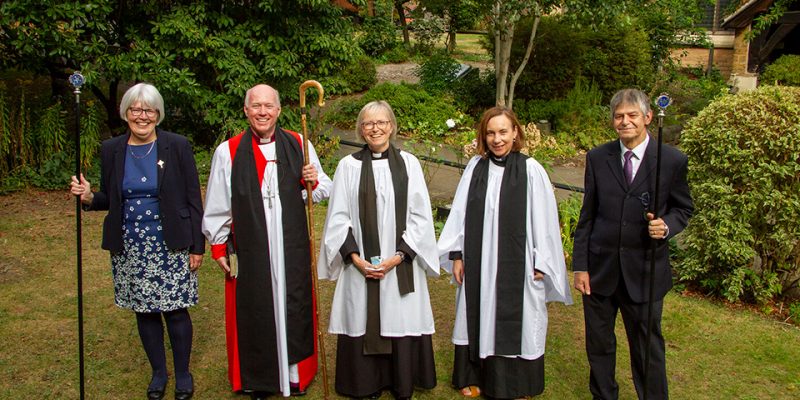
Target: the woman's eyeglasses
(373, 124)
(151, 113)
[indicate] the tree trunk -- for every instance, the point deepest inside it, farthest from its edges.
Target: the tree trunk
(524, 62)
(451, 39)
(401, 13)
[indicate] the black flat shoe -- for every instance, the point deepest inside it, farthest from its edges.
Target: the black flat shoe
(259, 395)
(156, 393)
(376, 395)
(182, 394)
(296, 392)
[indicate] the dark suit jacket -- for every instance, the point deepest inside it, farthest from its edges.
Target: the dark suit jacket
(179, 199)
(611, 237)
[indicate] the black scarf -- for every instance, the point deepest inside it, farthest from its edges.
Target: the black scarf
(374, 343)
(511, 239)
(258, 356)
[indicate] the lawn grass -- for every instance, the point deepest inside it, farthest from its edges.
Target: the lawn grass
(713, 351)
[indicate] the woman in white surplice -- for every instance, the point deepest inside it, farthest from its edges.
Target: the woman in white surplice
(502, 244)
(379, 243)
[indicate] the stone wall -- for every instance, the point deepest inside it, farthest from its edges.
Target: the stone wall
(693, 57)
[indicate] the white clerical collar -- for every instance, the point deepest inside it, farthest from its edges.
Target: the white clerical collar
(261, 140)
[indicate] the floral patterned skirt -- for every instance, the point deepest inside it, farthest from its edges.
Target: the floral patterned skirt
(148, 277)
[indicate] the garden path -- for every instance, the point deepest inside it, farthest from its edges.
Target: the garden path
(443, 179)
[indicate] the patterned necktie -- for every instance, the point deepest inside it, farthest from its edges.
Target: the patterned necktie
(628, 167)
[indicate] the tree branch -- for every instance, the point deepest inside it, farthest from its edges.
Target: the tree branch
(524, 62)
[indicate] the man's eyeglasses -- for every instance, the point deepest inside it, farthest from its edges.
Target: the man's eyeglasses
(151, 113)
(373, 124)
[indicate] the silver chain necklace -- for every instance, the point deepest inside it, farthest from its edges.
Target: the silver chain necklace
(152, 145)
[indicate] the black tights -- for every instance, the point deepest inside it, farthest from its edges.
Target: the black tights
(179, 328)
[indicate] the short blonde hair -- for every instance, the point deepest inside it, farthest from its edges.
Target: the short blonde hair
(378, 105)
(144, 93)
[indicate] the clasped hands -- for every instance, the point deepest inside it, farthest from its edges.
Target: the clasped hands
(375, 271)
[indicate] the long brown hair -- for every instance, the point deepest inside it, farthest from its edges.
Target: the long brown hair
(494, 112)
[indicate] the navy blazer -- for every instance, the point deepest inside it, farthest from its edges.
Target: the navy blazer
(611, 237)
(179, 198)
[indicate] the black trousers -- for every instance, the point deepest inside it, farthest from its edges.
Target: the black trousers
(600, 314)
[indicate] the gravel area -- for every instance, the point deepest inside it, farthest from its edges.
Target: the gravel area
(396, 73)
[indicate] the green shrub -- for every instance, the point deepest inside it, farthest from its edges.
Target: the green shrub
(555, 60)
(437, 73)
(744, 151)
(569, 211)
(614, 57)
(397, 55)
(474, 92)
(429, 30)
(691, 90)
(784, 71)
(357, 76)
(580, 119)
(617, 57)
(377, 35)
(419, 114)
(36, 149)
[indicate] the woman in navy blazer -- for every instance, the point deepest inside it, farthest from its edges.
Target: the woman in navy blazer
(150, 187)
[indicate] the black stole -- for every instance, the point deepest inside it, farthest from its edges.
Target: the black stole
(374, 343)
(257, 336)
(510, 255)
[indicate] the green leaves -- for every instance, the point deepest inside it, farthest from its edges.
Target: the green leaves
(744, 151)
(202, 55)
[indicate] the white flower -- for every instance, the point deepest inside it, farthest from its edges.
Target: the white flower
(450, 123)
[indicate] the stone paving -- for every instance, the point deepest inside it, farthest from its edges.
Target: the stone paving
(443, 179)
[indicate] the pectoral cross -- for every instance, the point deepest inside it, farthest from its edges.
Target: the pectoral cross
(270, 194)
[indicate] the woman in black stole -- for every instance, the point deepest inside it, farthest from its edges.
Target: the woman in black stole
(502, 243)
(379, 244)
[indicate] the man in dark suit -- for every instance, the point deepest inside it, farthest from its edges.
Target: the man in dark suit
(611, 257)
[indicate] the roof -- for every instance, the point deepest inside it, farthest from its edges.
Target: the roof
(745, 14)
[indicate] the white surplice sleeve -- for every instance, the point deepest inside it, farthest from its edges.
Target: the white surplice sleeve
(338, 220)
(452, 237)
(217, 216)
(420, 234)
(545, 230)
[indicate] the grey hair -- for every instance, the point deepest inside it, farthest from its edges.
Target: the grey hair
(630, 96)
(377, 105)
(249, 91)
(144, 93)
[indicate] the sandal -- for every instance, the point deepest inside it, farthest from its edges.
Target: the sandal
(471, 391)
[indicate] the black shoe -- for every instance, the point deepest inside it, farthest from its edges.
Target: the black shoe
(156, 393)
(296, 392)
(183, 394)
(259, 395)
(376, 395)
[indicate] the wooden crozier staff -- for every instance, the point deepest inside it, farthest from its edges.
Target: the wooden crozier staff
(310, 217)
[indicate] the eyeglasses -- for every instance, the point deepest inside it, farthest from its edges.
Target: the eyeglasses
(151, 113)
(373, 124)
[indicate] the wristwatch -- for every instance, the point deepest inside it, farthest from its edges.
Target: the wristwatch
(401, 254)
